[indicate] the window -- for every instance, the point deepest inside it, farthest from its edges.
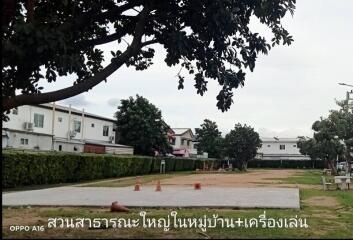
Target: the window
(24, 141)
(60, 147)
(77, 126)
(60, 119)
(38, 120)
(294, 146)
(173, 141)
(105, 131)
(75, 148)
(92, 125)
(182, 142)
(282, 147)
(15, 111)
(188, 142)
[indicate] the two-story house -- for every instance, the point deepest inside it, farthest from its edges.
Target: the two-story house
(280, 149)
(60, 128)
(183, 142)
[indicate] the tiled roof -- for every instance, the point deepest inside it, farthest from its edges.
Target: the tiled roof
(280, 139)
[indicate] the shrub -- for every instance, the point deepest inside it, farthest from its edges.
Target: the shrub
(28, 168)
(285, 164)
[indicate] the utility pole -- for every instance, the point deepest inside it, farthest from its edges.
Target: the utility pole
(349, 151)
(346, 108)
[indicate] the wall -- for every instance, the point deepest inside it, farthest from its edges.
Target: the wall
(26, 114)
(273, 147)
(116, 150)
(14, 141)
(68, 146)
(187, 137)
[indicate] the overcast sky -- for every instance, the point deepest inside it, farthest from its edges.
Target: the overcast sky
(289, 89)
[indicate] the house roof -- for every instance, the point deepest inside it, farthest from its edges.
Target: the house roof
(4, 134)
(27, 132)
(280, 139)
(106, 144)
(181, 131)
(73, 111)
(167, 126)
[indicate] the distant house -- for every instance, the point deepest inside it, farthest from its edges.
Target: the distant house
(280, 149)
(60, 128)
(183, 142)
(170, 133)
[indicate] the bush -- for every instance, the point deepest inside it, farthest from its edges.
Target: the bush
(31, 168)
(285, 164)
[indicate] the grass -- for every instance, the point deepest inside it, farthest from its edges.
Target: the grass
(312, 177)
(324, 221)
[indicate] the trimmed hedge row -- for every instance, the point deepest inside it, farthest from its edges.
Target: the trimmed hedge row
(32, 168)
(285, 164)
(22, 168)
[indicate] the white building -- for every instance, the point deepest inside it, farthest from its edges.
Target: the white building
(53, 127)
(280, 149)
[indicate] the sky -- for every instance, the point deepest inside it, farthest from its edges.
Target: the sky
(290, 88)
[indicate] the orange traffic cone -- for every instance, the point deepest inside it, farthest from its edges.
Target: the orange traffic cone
(115, 207)
(137, 184)
(158, 187)
(197, 186)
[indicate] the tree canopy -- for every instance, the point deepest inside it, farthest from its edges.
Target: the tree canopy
(209, 139)
(140, 124)
(333, 137)
(241, 144)
(209, 39)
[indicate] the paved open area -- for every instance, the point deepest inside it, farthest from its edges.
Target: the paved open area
(216, 197)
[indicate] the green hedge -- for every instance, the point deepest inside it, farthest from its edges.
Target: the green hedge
(285, 164)
(22, 168)
(31, 168)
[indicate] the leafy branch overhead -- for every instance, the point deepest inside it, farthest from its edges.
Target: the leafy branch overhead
(210, 39)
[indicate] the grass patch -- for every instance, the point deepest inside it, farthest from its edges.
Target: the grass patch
(345, 198)
(323, 222)
(312, 177)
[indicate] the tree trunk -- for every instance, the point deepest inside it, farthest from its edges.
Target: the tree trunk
(243, 165)
(331, 164)
(349, 162)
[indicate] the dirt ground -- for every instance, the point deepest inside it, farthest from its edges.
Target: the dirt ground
(322, 201)
(252, 178)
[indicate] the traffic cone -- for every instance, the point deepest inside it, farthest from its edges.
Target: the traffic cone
(158, 187)
(137, 184)
(197, 186)
(116, 207)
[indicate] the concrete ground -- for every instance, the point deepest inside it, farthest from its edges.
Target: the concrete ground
(171, 196)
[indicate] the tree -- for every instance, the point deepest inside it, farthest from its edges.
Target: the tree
(309, 147)
(209, 139)
(333, 137)
(241, 144)
(140, 124)
(210, 39)
(343, 122)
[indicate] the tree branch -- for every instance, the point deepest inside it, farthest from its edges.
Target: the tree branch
(149, 42)
(89, 83)
(90, 16)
